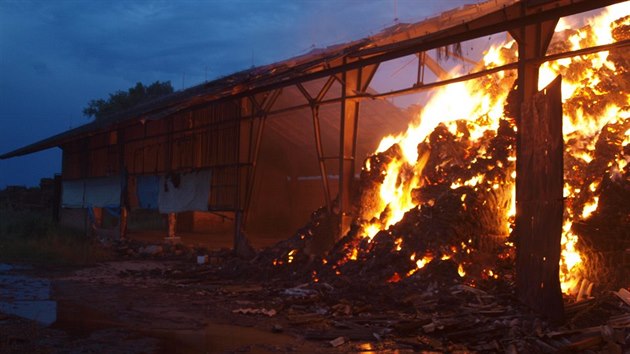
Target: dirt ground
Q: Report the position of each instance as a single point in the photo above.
(157, 298)
(142, 306)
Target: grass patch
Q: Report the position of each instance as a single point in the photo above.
(32, 237)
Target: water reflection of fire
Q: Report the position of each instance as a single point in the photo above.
(473, 138)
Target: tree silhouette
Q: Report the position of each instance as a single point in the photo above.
(122, 100)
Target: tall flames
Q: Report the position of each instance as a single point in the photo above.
(474, 109)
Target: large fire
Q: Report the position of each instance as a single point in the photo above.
(473, 111)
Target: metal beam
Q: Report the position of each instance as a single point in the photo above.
(325, 88)
(506, 19)
(255, 150)
(433, 65)
(305, 93)
(353, 82)
(240, 247)
(314, 104)
(320, 157)
(474, 75)
(471, 76)
(347, 146)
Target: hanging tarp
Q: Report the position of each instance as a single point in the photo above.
(94, 192)
(72, 193)
(184, 192)
(147, 191)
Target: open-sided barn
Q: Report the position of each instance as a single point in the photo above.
(254, 146)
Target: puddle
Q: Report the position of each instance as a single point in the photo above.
(30, 298)
(84, 321)
(26, 297)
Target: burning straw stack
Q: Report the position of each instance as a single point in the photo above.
(463, 226)
(449, 220)
(604, 235)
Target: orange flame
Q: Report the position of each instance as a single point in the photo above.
(481, 104)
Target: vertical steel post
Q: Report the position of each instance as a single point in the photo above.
(238, 203)
(319, 147)
(420, 76)
(255, 149)
(351, 85)
(354, 82)
(320, 156)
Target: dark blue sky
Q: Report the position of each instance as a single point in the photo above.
(55, 56)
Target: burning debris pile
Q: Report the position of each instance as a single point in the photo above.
(429, 262)
(598, 183)
(452, 199)
(459, 208)
(440, 196)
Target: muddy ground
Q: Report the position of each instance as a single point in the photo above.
(153, 306)
(153, 298)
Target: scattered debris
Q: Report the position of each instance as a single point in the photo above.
(151, 250)
(252, 311)
(337, 342)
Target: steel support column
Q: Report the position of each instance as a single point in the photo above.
(314, 102)
(263, 110)
(320, 157)
(247, 154)
(353, 82)
(241, 246)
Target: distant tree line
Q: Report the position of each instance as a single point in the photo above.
(120, 101)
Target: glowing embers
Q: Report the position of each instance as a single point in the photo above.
(288, 259)
(471, 182)
(460, 270)
(420, 263)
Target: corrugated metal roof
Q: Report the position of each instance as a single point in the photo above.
(467, 22)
